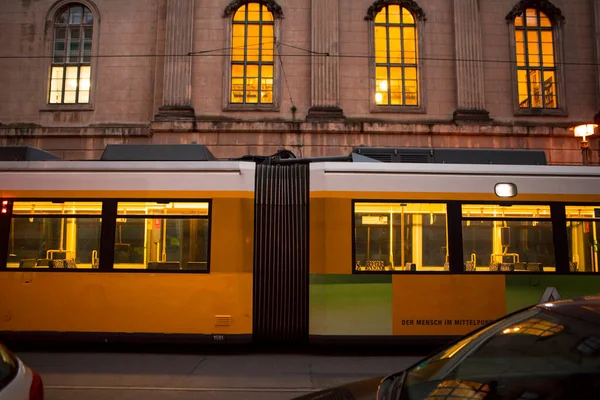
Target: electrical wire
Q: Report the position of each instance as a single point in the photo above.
(210, 52)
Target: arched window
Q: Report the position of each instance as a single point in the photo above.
(71, 71)
(252, 55)
(536, 63)
(396, 57)
(535, 28)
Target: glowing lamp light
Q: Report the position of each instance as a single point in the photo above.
(505, 190)
(584, 131)
(383, 86)
(4, 206)
(378, 97)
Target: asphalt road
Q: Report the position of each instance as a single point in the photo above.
(95, 376)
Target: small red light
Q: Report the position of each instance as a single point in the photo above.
(36, 391)
(5, 203)
(4, 211)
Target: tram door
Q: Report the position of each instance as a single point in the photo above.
(281, 267)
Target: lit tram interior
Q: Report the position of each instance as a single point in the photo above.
(395, 236)
(148, 235)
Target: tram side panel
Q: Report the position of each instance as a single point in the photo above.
(379, 259)
(214, 305)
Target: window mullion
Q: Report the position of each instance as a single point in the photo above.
(388, 66)
(541, 58)
(64, 82)
(402, 60)
(245, 55)
(260, 38)
(527, 65)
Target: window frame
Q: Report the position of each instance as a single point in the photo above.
(398, 201)
(419, 17)
(454, 221)
(228, 16)
(51, 17)
(108, 225)
(557, 20)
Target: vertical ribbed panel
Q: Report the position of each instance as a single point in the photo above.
(178, 42)
(281, 254)
(469, 53)
(325, 39)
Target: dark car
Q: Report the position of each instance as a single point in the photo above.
(545, 352)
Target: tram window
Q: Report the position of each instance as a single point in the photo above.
(174, 236)
(400, 237)
(583, 230)
(516, 238)
(54, 235)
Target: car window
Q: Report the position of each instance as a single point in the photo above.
(535, 354)
(8, 367)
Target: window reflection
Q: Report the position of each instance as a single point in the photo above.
(252, 55)
(55, 235)
(583, 235)
(459, 390)
(508, 238)
(162, 236)
(535, 327)
(400, 237)
(396, 81)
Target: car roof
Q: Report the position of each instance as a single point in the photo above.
(586, 308)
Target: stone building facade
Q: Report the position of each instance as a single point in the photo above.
(332, 74)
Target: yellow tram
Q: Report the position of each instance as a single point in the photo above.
(287, 250)
(107, 249)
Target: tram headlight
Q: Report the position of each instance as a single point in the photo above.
(505, 190)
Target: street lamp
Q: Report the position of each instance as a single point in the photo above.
(583, 131)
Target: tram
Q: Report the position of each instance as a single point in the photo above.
(366, 248)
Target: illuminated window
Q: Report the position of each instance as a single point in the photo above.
(400, 237)
(536, 28)
(535, 60)
(583, 231)
(507, 238)
(252, 55)
(396, 57)
(162, 236)
(56, 235)
(71, 70)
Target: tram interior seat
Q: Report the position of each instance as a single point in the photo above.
(520, 266)
(27, 263)
(122, 252)
(164, 265)
(535, 267)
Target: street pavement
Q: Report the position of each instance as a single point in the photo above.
(125, 376)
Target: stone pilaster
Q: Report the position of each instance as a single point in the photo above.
(597, 43)
(177, 87)
(325, 92)
(469, 68)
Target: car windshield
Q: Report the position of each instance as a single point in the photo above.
(8, 367)
(532, 355)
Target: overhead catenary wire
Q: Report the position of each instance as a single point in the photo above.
(226, 52)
